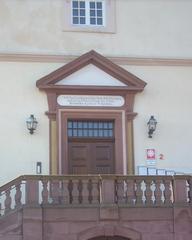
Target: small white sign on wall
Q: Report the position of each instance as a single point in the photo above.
(90, 101)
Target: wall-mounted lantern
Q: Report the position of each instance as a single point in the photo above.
(152, 123)
(31, 124)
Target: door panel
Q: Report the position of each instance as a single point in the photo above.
(103, 158)
(78, 158)
(91, 157)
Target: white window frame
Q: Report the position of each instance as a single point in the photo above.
(87, 13)
(109, 19)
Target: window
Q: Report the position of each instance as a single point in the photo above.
(89, 16)
(90, 128)
(88, 12)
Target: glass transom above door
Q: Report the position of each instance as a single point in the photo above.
(90, 128)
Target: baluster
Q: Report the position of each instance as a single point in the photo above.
(65, 192)
(1, 209)
(8, 200)
(120, 194)
(125, 189)
(45, 192)
(190, 190)
(99, 190)
(116, 190)
(148, 192)
(89, 187)
(85, 192)
(55, 191)
(167, 192)
(95, 191)
(32, 192)
(131, 192)
(139, 192)
(158, 192)
(187, 191)
(18, 195)
(80, 189)
(75, 191)
(70, 189)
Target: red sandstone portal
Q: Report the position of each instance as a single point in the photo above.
(120, 155)
(92, 155)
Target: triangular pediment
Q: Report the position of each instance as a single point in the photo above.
(91, 69)
(90, 75)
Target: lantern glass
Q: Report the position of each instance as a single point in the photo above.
(152, 123)
(31, 124)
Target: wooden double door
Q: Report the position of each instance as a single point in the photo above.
(91, 156)
(91, 145)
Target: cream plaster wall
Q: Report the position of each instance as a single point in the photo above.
(19, 97)
(167, 96)
(145, 28)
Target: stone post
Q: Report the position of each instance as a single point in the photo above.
(32, 192)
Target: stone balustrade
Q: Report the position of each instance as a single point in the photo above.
(96, 190)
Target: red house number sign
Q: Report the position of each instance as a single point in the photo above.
(151, 154)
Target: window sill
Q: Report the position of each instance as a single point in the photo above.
(89, 29)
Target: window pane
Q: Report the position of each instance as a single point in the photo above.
(99, 5)
(110, 133)
(92, 13)
(74, 124)
(105, 133)
(92, 4)
(85, 124)
(74, 132)
(95, 133)
(82, 12)
(85, 133)
(80, 124)
(99, 21)
(92, 21)
(75, 20)
(70, 133)
(80, 133)
(75, 12)
(82, 4)
(69, 124)
(82, 20)
(95, 125)
(75, 4)
(90, 133)
(100, 133)
(99, 13)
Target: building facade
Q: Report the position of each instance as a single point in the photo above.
(93, 72)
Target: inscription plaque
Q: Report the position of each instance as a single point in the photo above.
(90, 101)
